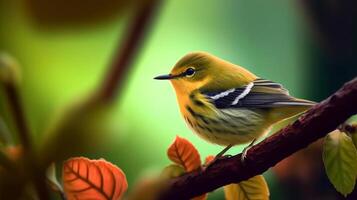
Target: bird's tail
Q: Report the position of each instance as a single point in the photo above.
(298, 102)
(292, 109)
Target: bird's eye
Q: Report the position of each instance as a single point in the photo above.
(190, 72)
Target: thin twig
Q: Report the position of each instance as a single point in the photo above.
(24, 137)
(19, 116)
(128, 48)
(314, 124)
(5, 135)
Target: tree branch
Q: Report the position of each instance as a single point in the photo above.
(128, 48)
(314, 124)
(16, 107)
(19, 116)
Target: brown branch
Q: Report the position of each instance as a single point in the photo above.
(19, 116)
(314, 124)
(129, 46)
(24, 133)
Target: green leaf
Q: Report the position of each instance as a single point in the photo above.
(354, 133)
(340, 160)
(9, 70)
(254, 188)
(354, 139)
(5, 136)
(172, 171)
(52, 178)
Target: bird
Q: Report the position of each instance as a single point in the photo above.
(227, 105)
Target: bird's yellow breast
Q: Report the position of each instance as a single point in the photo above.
(196, 102)
(221, 127)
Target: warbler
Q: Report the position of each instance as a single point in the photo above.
(226, 104)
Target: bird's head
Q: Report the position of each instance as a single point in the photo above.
(200, 70)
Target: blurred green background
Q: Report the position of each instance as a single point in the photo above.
(61, 62)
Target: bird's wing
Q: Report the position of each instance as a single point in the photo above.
(260, 93)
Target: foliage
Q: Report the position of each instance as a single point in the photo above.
(84, 178)
(9, 70)
(253, 188)
(24, 164)
(78, 128)
(354, 134)
(98, 179)
(340, 160)
(183, 153)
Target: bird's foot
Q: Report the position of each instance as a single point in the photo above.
(244, 154)
(216, 159)
(219, 156)
(245, 151)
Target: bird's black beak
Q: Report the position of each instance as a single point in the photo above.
(165, 77)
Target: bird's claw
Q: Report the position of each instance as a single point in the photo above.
(244, 155)
(245, 151)
(216, 159)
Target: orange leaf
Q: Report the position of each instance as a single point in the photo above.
(209, 159)
(183, 152)
(92, 179)
(14, 152)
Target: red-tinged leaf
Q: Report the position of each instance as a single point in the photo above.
(14, 152)
(93, 179)
(202, 197)
(183, 152)
(209, 159)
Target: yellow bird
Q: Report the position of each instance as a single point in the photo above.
(226, 104)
